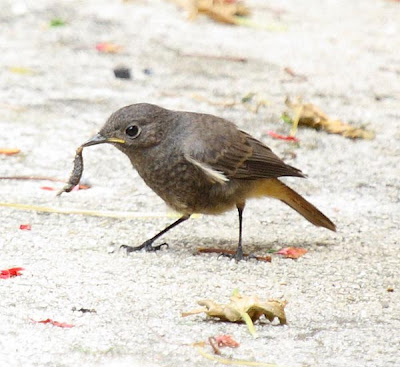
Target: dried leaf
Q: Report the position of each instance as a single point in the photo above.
(10, 273)
(214, 345)
(229, 12)
(243, 309)
(9, 151)
(25, 227)
(310, 115)
(226, 341)
(108, 48)
(54, 323)
(293, 74)
(282, 137)
(292, 252)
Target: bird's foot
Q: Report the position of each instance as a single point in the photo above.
(239, 255)
(147, 246)
(236, 255)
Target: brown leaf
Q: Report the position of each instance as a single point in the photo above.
(310, 115)
(243, 309)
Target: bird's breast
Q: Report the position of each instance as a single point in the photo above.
(186, 189)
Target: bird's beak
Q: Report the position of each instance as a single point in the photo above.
(100, 139)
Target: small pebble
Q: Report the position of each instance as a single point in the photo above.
(122, 73)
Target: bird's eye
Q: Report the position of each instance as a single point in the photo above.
(132, 131)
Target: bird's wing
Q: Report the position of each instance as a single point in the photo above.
(263, 163)
(224, 152)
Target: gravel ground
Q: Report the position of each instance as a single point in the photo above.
(340, 312)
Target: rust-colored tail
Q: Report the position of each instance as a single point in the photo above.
(278, 190)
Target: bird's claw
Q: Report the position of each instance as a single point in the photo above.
(239, 255)
(147, 246)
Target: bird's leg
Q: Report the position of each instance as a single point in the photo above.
(239, 251)
(148, 245)
(238, 255)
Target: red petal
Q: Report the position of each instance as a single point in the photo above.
(282, 137)
(25, 227)
(9, 273)
(54, 323)
(292, 252)
(62, 324)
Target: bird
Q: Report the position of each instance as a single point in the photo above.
(201, 163)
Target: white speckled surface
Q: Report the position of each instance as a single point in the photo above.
(339, 311)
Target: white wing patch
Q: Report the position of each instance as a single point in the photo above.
(214, 175)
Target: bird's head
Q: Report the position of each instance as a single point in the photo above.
(134, 127)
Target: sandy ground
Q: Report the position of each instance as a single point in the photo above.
(339, 310)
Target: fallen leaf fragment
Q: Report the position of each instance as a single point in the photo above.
(246, 309)
(228, 12)
(108, 48)
(293, 74)
(54, 323)
(83, 187)
(10, 273)
(9, 151)
(310, 115)
(214, 345)
(226, 341)
(25, 227)
(57, 22)
(47, 188)
(282, 137)
(292, 252)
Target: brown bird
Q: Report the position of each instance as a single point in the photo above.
(200, 163)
